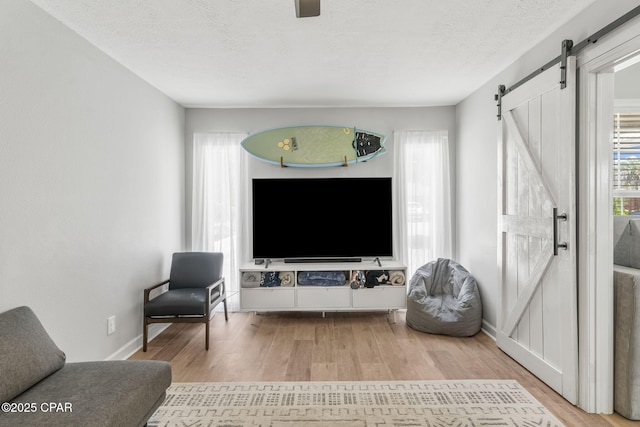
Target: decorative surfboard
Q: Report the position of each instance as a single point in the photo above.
(315, 146)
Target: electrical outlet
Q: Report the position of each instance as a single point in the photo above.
(111, 325)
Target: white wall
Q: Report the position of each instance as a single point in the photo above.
(627, 85)
(477, 131)
(91, 180)
(383, 120)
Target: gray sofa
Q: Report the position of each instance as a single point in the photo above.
(37, 387)
(626, 260)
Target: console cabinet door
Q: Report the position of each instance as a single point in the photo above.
(380, 297)
(324, 297)
(267, 298)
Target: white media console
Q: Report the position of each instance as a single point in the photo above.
(291, 295)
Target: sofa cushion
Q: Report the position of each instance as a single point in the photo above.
(195, 269)
(27, 353)
(99, 394)
(634, 253)
(626, 241)
(621, 240)
(179, 302)
(627, 342)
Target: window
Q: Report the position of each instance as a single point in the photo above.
(626, 163)
(422, 177)
(217, 186)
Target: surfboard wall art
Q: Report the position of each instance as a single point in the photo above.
(315, 146)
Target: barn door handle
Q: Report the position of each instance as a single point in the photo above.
(557, 245)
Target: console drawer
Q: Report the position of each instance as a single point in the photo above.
(267, 298)
(323, 297)
(380, 297)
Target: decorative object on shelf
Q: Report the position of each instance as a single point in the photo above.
(270, 279)
(287, 278)
(322, 278)
(375, 278)
(251, 279)
(357, 279)
(315, 146)
(397, 278)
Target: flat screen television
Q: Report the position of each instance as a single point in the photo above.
(320, 218)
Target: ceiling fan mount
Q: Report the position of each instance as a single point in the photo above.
(307, 8)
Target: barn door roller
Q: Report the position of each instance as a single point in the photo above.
(566, 52)
(562, 59)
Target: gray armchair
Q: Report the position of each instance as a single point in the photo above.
(195, 288)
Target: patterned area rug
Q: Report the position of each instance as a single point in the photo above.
(358, 404)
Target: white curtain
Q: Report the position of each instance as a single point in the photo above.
(422, 176)
(218, 185)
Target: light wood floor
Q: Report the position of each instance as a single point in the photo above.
(344, 347)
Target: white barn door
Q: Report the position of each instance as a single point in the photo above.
(537, 322)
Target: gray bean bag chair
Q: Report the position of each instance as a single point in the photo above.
(444, 299)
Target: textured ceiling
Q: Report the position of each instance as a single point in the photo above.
(256, 53)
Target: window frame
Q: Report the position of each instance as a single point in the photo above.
(622, 106)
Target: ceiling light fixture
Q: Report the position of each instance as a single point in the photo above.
(307, 8)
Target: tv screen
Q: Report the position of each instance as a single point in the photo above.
(322, 218)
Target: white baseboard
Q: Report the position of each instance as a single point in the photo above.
(488, 329)
(135, 344)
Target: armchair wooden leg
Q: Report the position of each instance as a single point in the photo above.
(206, 333)
(226, 315)
(144, 334)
